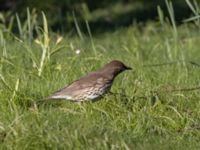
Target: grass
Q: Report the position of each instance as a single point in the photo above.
(147, 115)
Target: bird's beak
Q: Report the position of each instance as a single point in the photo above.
(128, 68)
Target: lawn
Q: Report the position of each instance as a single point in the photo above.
(154, 106)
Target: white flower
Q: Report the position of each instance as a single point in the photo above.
(78, 51)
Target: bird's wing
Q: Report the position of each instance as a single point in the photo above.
(78, 86)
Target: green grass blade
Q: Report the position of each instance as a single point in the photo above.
(19, 26)
(77, 27)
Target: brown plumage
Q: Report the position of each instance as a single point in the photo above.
(92, 86)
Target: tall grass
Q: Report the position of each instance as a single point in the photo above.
(196, 10)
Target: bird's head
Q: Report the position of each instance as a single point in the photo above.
(115, 67)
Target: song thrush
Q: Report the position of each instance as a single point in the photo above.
(92, 86)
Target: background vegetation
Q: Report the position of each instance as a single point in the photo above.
(156, 106)
(102, 15)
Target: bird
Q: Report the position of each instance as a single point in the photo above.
(93, 86)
